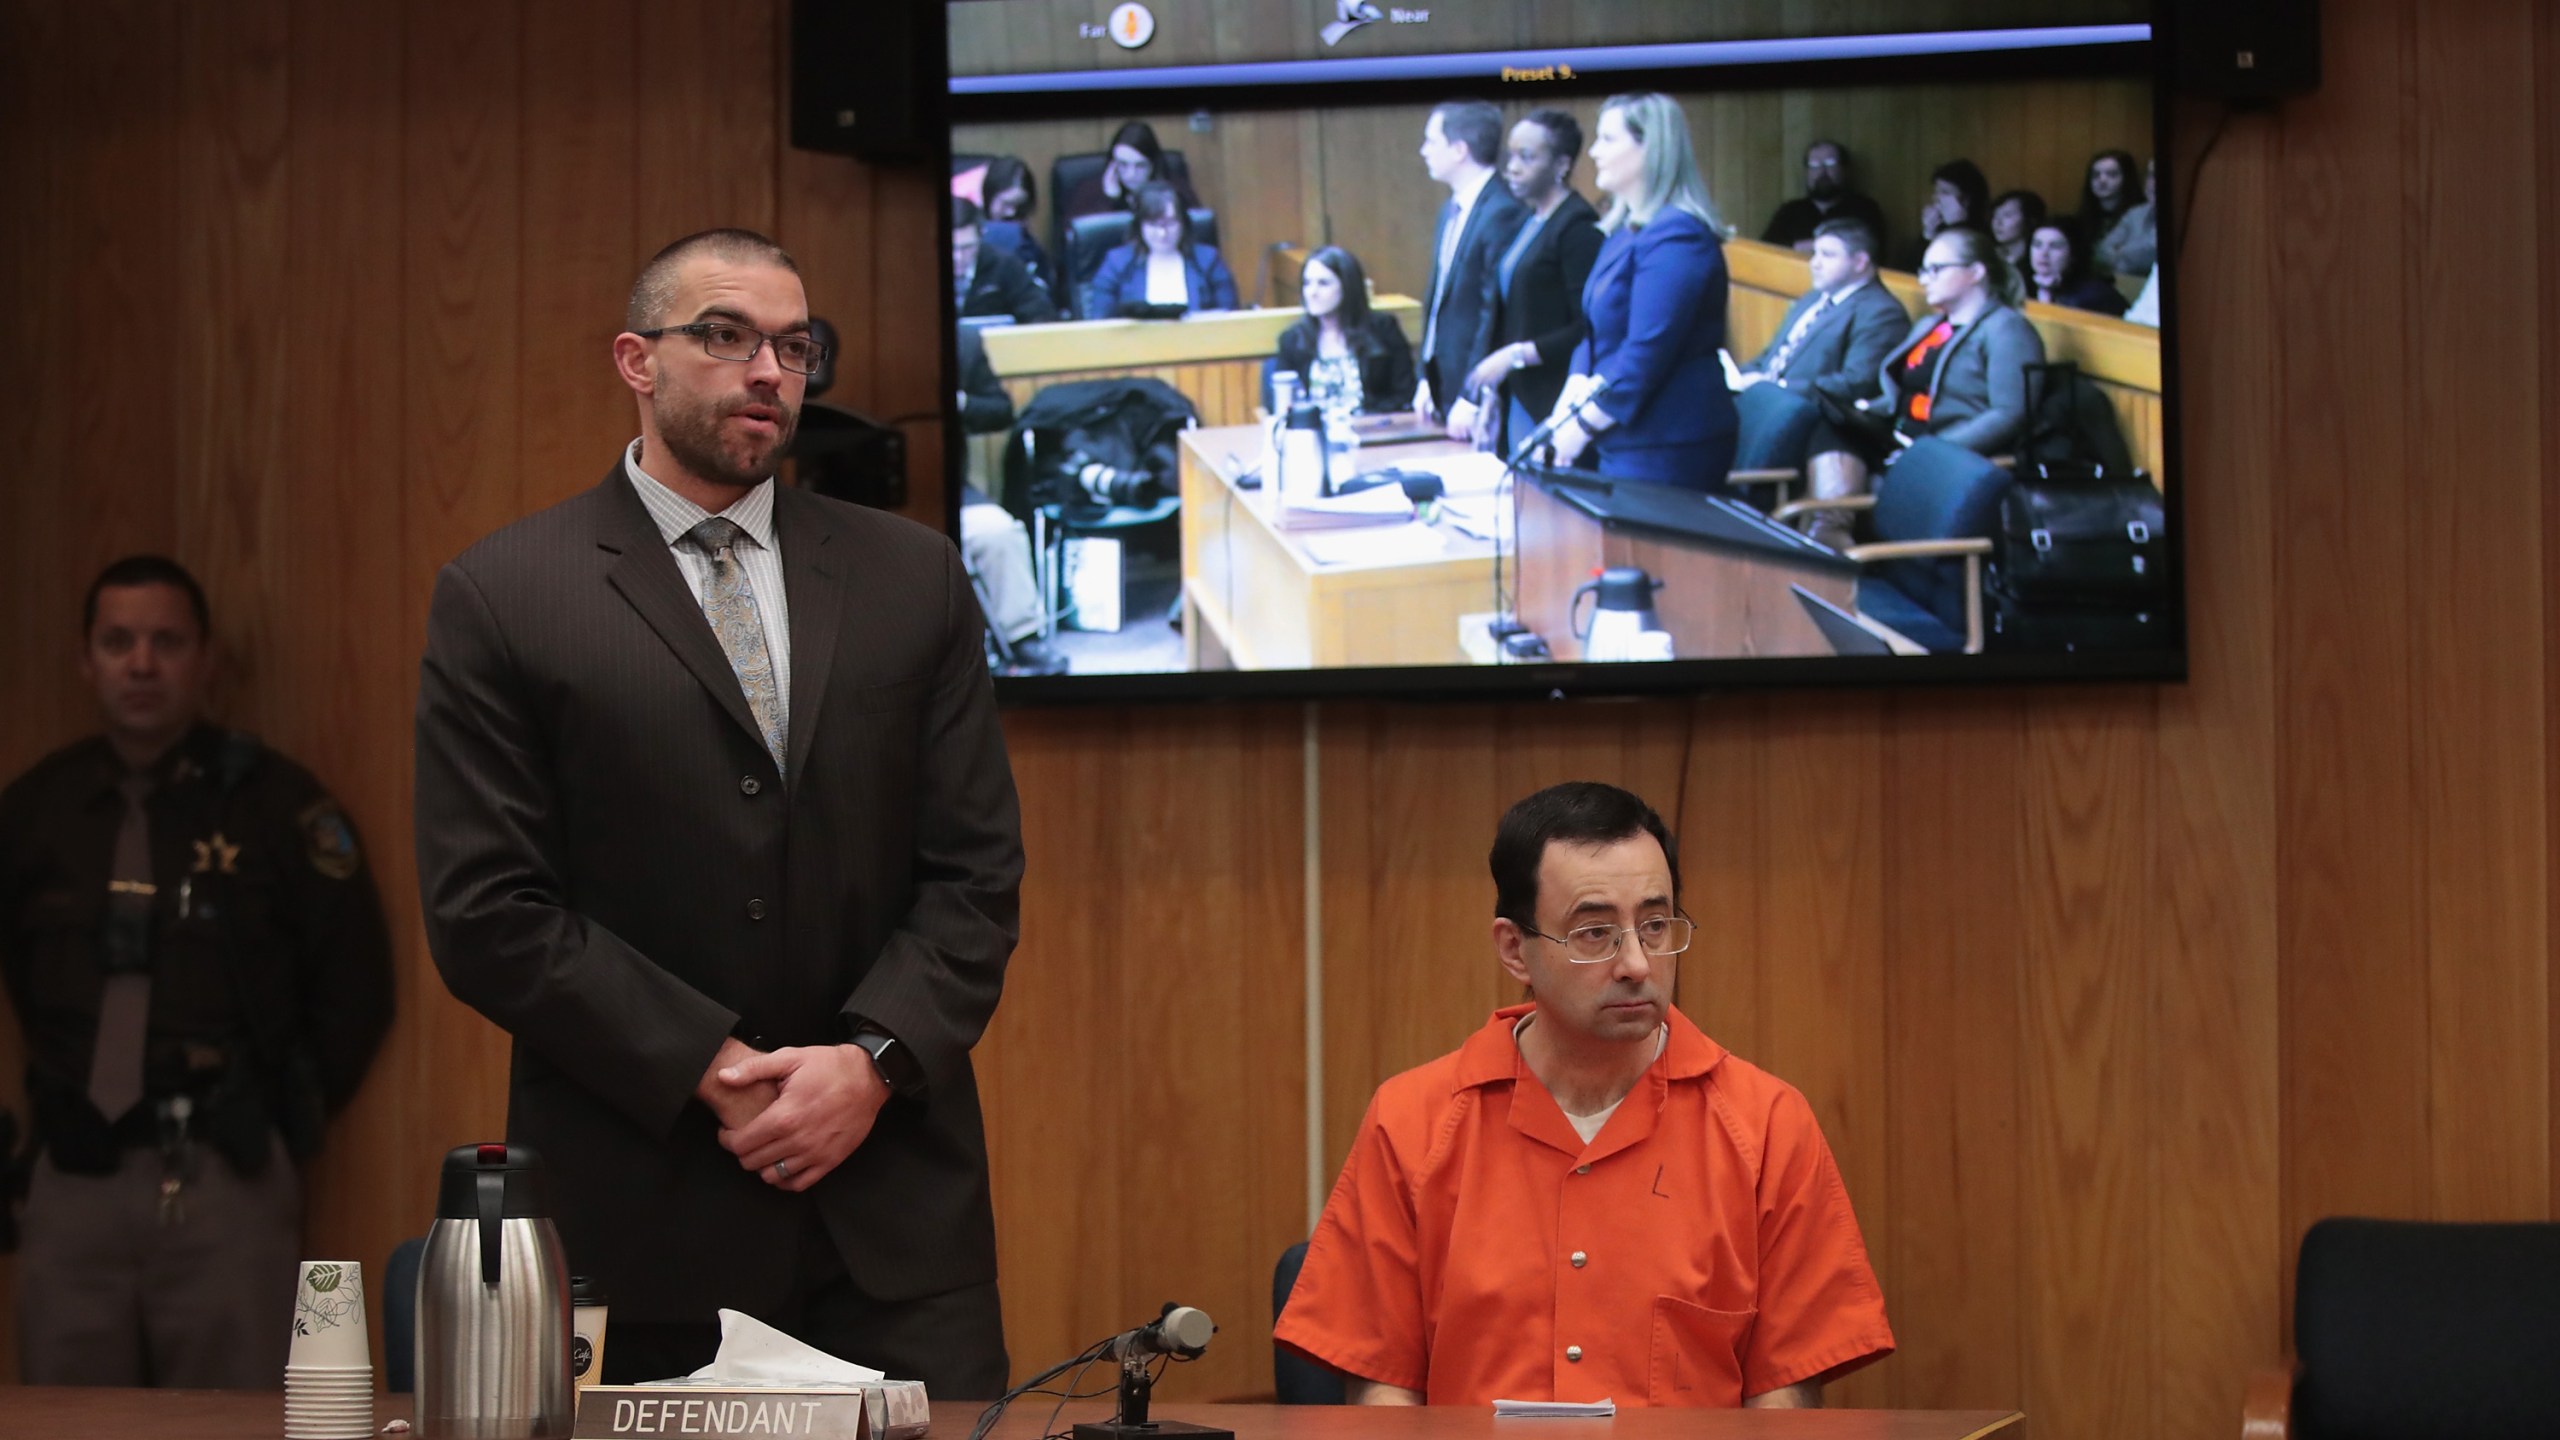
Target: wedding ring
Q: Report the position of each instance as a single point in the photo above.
(781, 1169)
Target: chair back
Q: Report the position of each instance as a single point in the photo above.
(1777, 428)
(1090, 237)
(400, 1316)
(1297, 1380)
(1936, 491)
(1069, 171)
(2426, 1331)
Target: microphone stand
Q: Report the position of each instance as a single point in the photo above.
(1506, 621)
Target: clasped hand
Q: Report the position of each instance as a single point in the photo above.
(806, 1107)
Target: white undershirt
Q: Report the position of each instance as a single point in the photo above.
(1589, 1126)
(1166, 284)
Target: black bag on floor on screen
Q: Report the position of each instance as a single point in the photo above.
(2009, 624)
(2070, 535)
(2070, 420)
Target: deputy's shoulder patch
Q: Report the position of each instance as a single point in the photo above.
(330, 840)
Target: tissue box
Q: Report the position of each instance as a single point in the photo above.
(877, 1410)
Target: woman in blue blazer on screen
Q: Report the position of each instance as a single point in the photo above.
(1655, 303)
(1160, 265)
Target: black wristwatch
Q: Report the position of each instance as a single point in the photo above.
(897, 1064)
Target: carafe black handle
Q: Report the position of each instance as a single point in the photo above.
(1582, 628)
(491, 1191)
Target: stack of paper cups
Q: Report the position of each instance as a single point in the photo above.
(328, 1377)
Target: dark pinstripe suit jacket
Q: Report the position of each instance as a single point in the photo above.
(613, 872)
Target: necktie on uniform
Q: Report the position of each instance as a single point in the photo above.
(124, 1009)
(730, 606)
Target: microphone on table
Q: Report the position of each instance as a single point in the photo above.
(1181, 1332)
(1547, 431)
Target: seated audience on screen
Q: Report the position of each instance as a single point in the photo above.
(1461, 143)
(1350, 358)
(1828, 195)
(2134, 242)
(1532, 304)
(990, 281)
(1959, 374)
(1010, 197)
(2058, 271)
(1160, 265)
(995, 548)
(1655, 305)
(2014, 217)
(2107, 193)
(1501, 1227)
(1137, 159)
(1958, 195)
(1834, 338)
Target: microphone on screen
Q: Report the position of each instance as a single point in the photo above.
(1573, 412)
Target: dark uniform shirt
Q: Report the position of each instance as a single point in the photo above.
(270, 965)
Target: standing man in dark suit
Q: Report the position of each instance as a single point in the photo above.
(1835, 337)
(714, 817)
(1461, 141)
(1533, 294)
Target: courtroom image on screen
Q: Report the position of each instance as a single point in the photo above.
(1505, 371)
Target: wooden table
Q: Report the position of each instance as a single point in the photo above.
(1253, 599)
(40, 1413)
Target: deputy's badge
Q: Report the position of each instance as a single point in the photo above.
(215, 855)
(330, 840)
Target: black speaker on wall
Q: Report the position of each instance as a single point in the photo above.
(2248, 49)
(868, 77)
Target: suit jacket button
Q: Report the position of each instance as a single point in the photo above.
(755, 909)
(749, 785)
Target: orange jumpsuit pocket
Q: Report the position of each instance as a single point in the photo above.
(1697, 1354)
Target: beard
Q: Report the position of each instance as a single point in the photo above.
(695, 431)
(1823, 187)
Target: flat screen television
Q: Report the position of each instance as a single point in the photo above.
(1518, 347)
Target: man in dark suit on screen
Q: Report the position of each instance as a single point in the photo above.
(714, 817)
(1835, 337)
(1461, 143)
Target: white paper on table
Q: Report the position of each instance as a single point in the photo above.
(754, 1353)
(1472, 472)
(1553, 1409)
(1378, 546)
(1377, 505)
(1482, 516)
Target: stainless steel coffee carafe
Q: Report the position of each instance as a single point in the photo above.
(493, 1304)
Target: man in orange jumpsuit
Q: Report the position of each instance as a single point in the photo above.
(1590, 1199)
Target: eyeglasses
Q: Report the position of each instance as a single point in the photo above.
(723, 340)
(1927, 271)
(1591, 944)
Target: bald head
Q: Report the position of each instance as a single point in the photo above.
(655, 291)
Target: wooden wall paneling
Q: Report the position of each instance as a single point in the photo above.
(2216, 987)
(336, 579)
(1822, 994)
(231, 483)
(2546, 43)
(1186, 1005)
(583, 244)
(910, 271)
(1952, 811)
(2350, 903)
(1408, 799)
(1049, 1064)
(2478, 652)
(460, 83)
(1214, 927)
(2088, 1184)
(1722, 819)
(707, 95)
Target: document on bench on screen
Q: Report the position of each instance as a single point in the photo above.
(1401, 545)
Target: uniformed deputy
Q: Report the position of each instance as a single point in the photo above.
(197, 959)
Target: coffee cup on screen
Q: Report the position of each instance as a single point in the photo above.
(586, 1331)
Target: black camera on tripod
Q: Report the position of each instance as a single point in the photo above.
(1106, 484)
